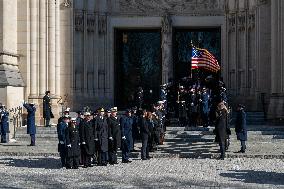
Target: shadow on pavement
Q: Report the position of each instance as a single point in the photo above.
(258, 177)
(46, 163)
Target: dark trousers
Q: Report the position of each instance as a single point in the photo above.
(32, 139)
(126, 145)
(62, 153)
(47, 120)
(112, 154)
(86, 159)
(145, 147)
(3, 138)
(243, 145)
(104, 157)
(205, 118)
(222, 149)
(72, 162)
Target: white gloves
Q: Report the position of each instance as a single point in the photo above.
(61, 142)
(69, 145)
(83, 142)
(110, 138)
(123, 138)
(96, 139)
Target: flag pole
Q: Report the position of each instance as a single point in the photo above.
(191, 46)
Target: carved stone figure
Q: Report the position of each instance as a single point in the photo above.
(79, 21)
(102, 25)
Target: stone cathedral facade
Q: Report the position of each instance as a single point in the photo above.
(69, 47)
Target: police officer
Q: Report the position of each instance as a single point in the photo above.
(61, 133)
(73, 145)
(241, 128)
(31, 127)
(114, 136)
(126, 132)
(47, 113)
(102, 136)
(4, 123)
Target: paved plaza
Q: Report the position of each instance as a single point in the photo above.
(45, 172)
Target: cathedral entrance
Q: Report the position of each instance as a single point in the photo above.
(207, 38)
(137, 64)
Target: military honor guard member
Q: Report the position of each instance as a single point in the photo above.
(126, 132)
(73, 145)
(31, 127)
(61, 133)
(87, 137)
(101, 126)
(47, 113)
(114, 136)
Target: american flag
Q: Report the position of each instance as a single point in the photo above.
(202, 58)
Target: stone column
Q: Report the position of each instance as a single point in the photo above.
(57, 50)
(33, 38)
(51, 46)
(167, 62)
(42, 47)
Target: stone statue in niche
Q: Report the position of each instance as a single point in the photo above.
(232, 23)
(241, 21)
(251, 21)
(79, 21)
(102, 25)
(91, 23)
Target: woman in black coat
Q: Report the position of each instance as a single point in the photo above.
(221, 127)
(73, 145)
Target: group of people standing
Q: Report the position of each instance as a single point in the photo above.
(95, 138)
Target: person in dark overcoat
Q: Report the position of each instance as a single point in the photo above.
(192, 110)
(87, 137)
(61, 134)
(4, 123)
(205, 107)
(135, 128)
(221, 127)
(114, 136)
(126, 132)
(145, 133)
(73, 145)
(182, 109)
(102, 136)
(47, 113)
(31, 127)
(241, 127)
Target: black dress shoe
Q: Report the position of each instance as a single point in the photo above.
(144, 159)
(85, 166)
(149, 157)
(90, 166)
(126, 161)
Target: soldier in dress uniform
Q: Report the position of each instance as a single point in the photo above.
(87, 137)
(31, 127)
(79, 119)
(114, 136)
(139, 97)
(47, 113)
(126, 132)
(61, 133)
(4, 123)
(101, 126)
(192, 110)
(73, 145)
(135, 127)
(65, 113)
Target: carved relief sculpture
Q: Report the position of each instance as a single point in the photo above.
(176, 6)
(251, 21)
(102, 25)
(232, 22)
(79, 21)
(91, 23)
(242, 21)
